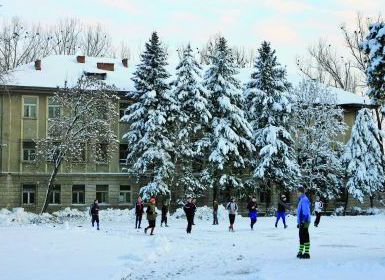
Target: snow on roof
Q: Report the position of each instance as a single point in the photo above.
(56, 70)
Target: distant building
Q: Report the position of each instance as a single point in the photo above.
(25, 109)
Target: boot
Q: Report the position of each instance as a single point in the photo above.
(305, 256)
(152, 231)
(299, 255)
(145, 230)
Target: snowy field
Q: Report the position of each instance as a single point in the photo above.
(341, 248)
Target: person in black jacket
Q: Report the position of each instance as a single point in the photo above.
(215, 212)
(253, 208)
(164, 214)
(281, 211)
(139, 210)
(94, 211)
(189, 209)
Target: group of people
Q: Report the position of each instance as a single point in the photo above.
(303, 215)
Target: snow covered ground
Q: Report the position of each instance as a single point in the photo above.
(341, 248)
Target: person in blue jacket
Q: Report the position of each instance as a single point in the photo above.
(253, 212)
(303, 222)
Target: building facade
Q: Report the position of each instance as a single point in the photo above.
(25, 109)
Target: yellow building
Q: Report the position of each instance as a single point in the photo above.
(24, 112)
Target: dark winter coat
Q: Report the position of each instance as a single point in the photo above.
(139, 208)
(151, 212)
(164, 210)
(189, 208)
(95, 209)
(282, 206)
(252, 206)
(215, 206)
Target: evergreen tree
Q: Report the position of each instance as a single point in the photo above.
(150, 120)
(270, 114)
(229, 134)
(363, 158)
(374, 47)
(192, 121)
(319, 124)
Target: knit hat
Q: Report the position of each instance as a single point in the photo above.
(301, 189)
(152, 200)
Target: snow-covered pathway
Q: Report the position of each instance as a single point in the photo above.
(341, 248)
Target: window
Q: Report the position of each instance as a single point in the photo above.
(29, 194)
(102, 193)
(54, 196)
(102, 153)
(125, 194)
(29, 151)
(123, 153)
(123, 109)
(30, 107)
(78, 194)
(54, 109)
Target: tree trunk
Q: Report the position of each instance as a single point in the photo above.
(346, 201)
(371, 201)
(51, 182)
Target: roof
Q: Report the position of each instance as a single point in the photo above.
(58, 70)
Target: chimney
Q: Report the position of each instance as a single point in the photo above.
(125, 62)
(81, 59)
(38, 64)
(105, 66)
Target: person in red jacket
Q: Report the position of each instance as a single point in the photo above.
(139, 210)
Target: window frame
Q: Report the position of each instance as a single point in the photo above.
(31, 151)
(104, 194)
(125, 193)
(56, 189)
(29, 106)
(55, 107)
(29, 189)
(80, 186)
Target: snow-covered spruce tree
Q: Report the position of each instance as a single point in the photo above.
(270, 113)
(150, 122)
(364, 159)
(319, 125)
(192, 121)
(85, 122)
(229, 136)
(374, 47)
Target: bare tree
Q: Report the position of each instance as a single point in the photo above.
(20, 44)
(85, 122)
(324, 64)
(95, 41)
(66, 36)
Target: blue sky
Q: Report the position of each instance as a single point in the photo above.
(291, 25)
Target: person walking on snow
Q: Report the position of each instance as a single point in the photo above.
(151, 216)
(139, 210)
(318, 207)
(303, 222)
(94, 211)
(215, 212)
(281, 211)
(164, 214)
(189, 209)
(253, 208)
(232, 207)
